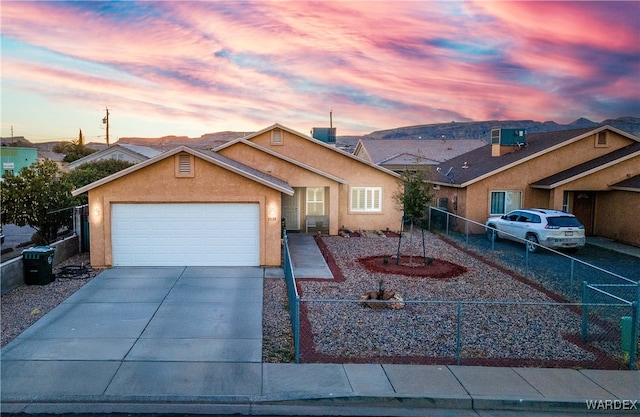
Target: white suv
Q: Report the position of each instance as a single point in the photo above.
(550, 228)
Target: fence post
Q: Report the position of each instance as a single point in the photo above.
(635, 321)
(447, 224)
(585, 313)
(466, 230)
(296, 331)
(429, 218)
(458, 341)
(571, 277)
(526, 260)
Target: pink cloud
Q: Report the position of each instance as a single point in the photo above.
(378, 64)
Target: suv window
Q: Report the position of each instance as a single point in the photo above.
(513, 216)
(529, 218)
(563, 221)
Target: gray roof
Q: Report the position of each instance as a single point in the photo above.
(480, 163)
(209, 156)
(585, 167)
(245, 168)
(417, 151)
(630, 184)
(142, 150)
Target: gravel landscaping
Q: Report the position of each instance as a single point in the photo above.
(494, 328)
(337, 328)
(26, 304)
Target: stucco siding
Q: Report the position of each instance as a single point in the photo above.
(617, 216)
(518, 177)
(157, 183)
(354, 171)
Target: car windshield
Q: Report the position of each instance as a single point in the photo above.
(563, 221)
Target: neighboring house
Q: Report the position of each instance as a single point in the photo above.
(420, 154)
(592, 173)
(225, 207)
(15, 158)
(130, 153)
(56, 157)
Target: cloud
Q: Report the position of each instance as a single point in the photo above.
(235, 65)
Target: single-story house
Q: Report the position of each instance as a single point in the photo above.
(228, 206)
(121, 152)
(418, 154)
(592, 173)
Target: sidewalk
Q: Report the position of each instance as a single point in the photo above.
(320, 389)
(146, 340)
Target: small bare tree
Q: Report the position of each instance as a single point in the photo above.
(413, 198)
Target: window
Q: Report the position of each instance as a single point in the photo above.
(529, 218)
(504, 201)
(315, 201)
(366, 199)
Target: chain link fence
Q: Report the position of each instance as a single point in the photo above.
(593, 324)
(462, 333)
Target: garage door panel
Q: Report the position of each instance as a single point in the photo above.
(185, 234)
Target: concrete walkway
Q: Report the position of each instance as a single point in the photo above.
(306, 257)
(189, 341)
(610, 244)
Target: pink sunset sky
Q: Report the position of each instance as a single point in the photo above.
(194, 67)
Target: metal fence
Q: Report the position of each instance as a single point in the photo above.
(463, 333)
(594, 330)
(554, 270)
(292, 295)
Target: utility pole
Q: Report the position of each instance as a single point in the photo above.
(105, 121)
(11, 130)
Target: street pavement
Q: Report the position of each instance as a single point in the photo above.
(188, 340)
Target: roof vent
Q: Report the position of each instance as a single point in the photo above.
(184, 165)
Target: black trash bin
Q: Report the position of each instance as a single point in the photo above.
(38, 265)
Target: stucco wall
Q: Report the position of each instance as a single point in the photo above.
(353, 170)
(157, 183)
(520, 176)
(617, 215)
(295, 175)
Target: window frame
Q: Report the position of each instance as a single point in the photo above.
(315, 192)
(368, 197)
(506, 207)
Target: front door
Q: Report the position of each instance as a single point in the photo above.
(291, 210)
(583, 206)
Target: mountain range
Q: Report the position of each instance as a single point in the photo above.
(446, 131)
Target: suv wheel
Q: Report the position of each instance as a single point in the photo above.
(492, 233)
(532, 243)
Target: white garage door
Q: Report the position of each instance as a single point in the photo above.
(185, 234)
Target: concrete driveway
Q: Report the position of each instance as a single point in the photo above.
(145, 331)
